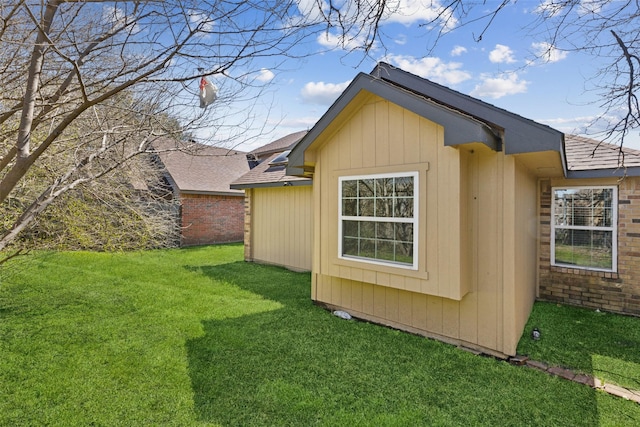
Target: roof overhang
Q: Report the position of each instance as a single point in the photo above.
(212, 193)
(458, 127)
(620, 172)
(464, 119)
(520, 135)
(277, 184)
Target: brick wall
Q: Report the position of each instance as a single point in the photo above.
(616, 292)
(210, 219)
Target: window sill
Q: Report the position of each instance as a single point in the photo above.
(584, 272)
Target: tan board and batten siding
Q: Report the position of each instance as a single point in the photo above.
(283, 236)
(475, 282)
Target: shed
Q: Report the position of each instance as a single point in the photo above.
(430, 208)
(278, 208)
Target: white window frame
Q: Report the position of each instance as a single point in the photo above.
(613, 228)
(414, 221)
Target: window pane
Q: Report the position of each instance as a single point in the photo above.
(368, 230)
(367, 248)
(404, 252)
(583, 207)
(379, 203)
(384, 207)
(404, 186)
(385, 230)
(350, 207)
(365, 207)
(350, 228)
(384, 187)
(366, 188)
(404, 232)
(349, 246)
(404, 208)
(584, 248)
(349, 188)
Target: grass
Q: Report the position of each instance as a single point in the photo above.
(584, 256)
(597, 343)
(197, 337)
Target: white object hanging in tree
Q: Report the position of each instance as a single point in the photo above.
(208, 92)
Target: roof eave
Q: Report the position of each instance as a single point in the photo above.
(620, 172)
(467, 128)
(521, 134)
(283, 183)
(212, 193)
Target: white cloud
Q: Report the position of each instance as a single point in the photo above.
(265, 75)
(298, 123)
(435, 69)
(118, 18)
(497, 87)
(311, 10)
(322, 93)
(201, 20)
(554, 8)
(339, 41)
(550, 8)
(590, 7)
(408, 12)
(501, 55)
(574, 125)
(458, 50)
(400, 39)
(548, 52)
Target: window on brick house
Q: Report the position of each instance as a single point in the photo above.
(378, 219)
(584, 227)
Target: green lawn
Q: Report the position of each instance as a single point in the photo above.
(197, 337)
(601, 344)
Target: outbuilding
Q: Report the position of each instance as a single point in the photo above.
(440, 214)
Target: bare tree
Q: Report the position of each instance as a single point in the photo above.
(606, 30)
(71, 70)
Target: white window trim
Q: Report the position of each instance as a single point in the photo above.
(415, 175)
(613, 228)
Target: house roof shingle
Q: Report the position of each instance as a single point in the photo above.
(203, 169)
(589, 158)
(279, 145)
(266, 175)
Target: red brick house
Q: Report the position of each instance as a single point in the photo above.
(210, 211)
(610, 282)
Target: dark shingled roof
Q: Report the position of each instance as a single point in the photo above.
(464, 119)
(279, 145)
(265, 175)
(589, 158)
(202, 169)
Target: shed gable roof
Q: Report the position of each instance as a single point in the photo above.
(465, 119)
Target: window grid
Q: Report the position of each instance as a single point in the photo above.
(378, 219)
(584, 227)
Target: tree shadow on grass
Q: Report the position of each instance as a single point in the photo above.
(299, 365)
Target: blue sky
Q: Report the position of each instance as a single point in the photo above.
(503, 69)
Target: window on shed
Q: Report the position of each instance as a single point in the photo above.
(378, 219)
(584, 227)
